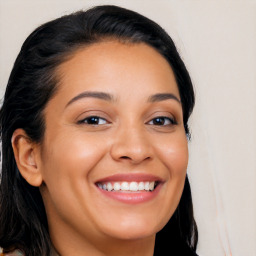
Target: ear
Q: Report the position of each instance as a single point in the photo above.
(26, 155)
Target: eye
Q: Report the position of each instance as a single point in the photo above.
(94, 120)
(162, 121)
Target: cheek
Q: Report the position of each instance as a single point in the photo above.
(174, 154)
(67, 164)
(69, 158)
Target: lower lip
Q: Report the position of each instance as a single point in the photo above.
(131, 197)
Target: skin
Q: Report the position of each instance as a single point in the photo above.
(75, 154)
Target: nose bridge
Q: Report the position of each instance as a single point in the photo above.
(131, 143)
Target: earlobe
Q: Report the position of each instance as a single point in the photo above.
(26, 156)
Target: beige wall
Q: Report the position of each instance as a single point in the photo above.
(217, 40)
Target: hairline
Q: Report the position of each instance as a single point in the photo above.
(69, 54)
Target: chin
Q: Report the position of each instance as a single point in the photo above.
(133, 230)
(132, 234)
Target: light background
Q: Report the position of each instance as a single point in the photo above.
(217, 40)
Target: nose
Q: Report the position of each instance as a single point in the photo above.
(131, 145)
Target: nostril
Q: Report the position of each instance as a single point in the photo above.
(133, 159)
(125, 157)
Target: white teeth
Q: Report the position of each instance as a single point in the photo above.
(147, 186)
(151, 185)
(141, 185)
(128, 186)
(117, 186)
(125, 186)
(134, 186)
(109, 186)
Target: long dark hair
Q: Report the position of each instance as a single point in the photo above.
(32, 83)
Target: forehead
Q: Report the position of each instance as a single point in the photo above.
(111, 66)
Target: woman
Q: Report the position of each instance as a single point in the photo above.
(94, 136)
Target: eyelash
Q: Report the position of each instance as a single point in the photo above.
(158, 121)
(93, 119)
(162, 119)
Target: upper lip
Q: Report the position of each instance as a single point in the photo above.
(130, 177)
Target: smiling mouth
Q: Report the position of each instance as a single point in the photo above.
(129, 188)
(125, 186)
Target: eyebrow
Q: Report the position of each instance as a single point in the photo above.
(108, 97)
(91, 94)
(162, 96)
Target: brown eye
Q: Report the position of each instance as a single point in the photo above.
(162, 121)
(93, 120)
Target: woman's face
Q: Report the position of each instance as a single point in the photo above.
(114, 154)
